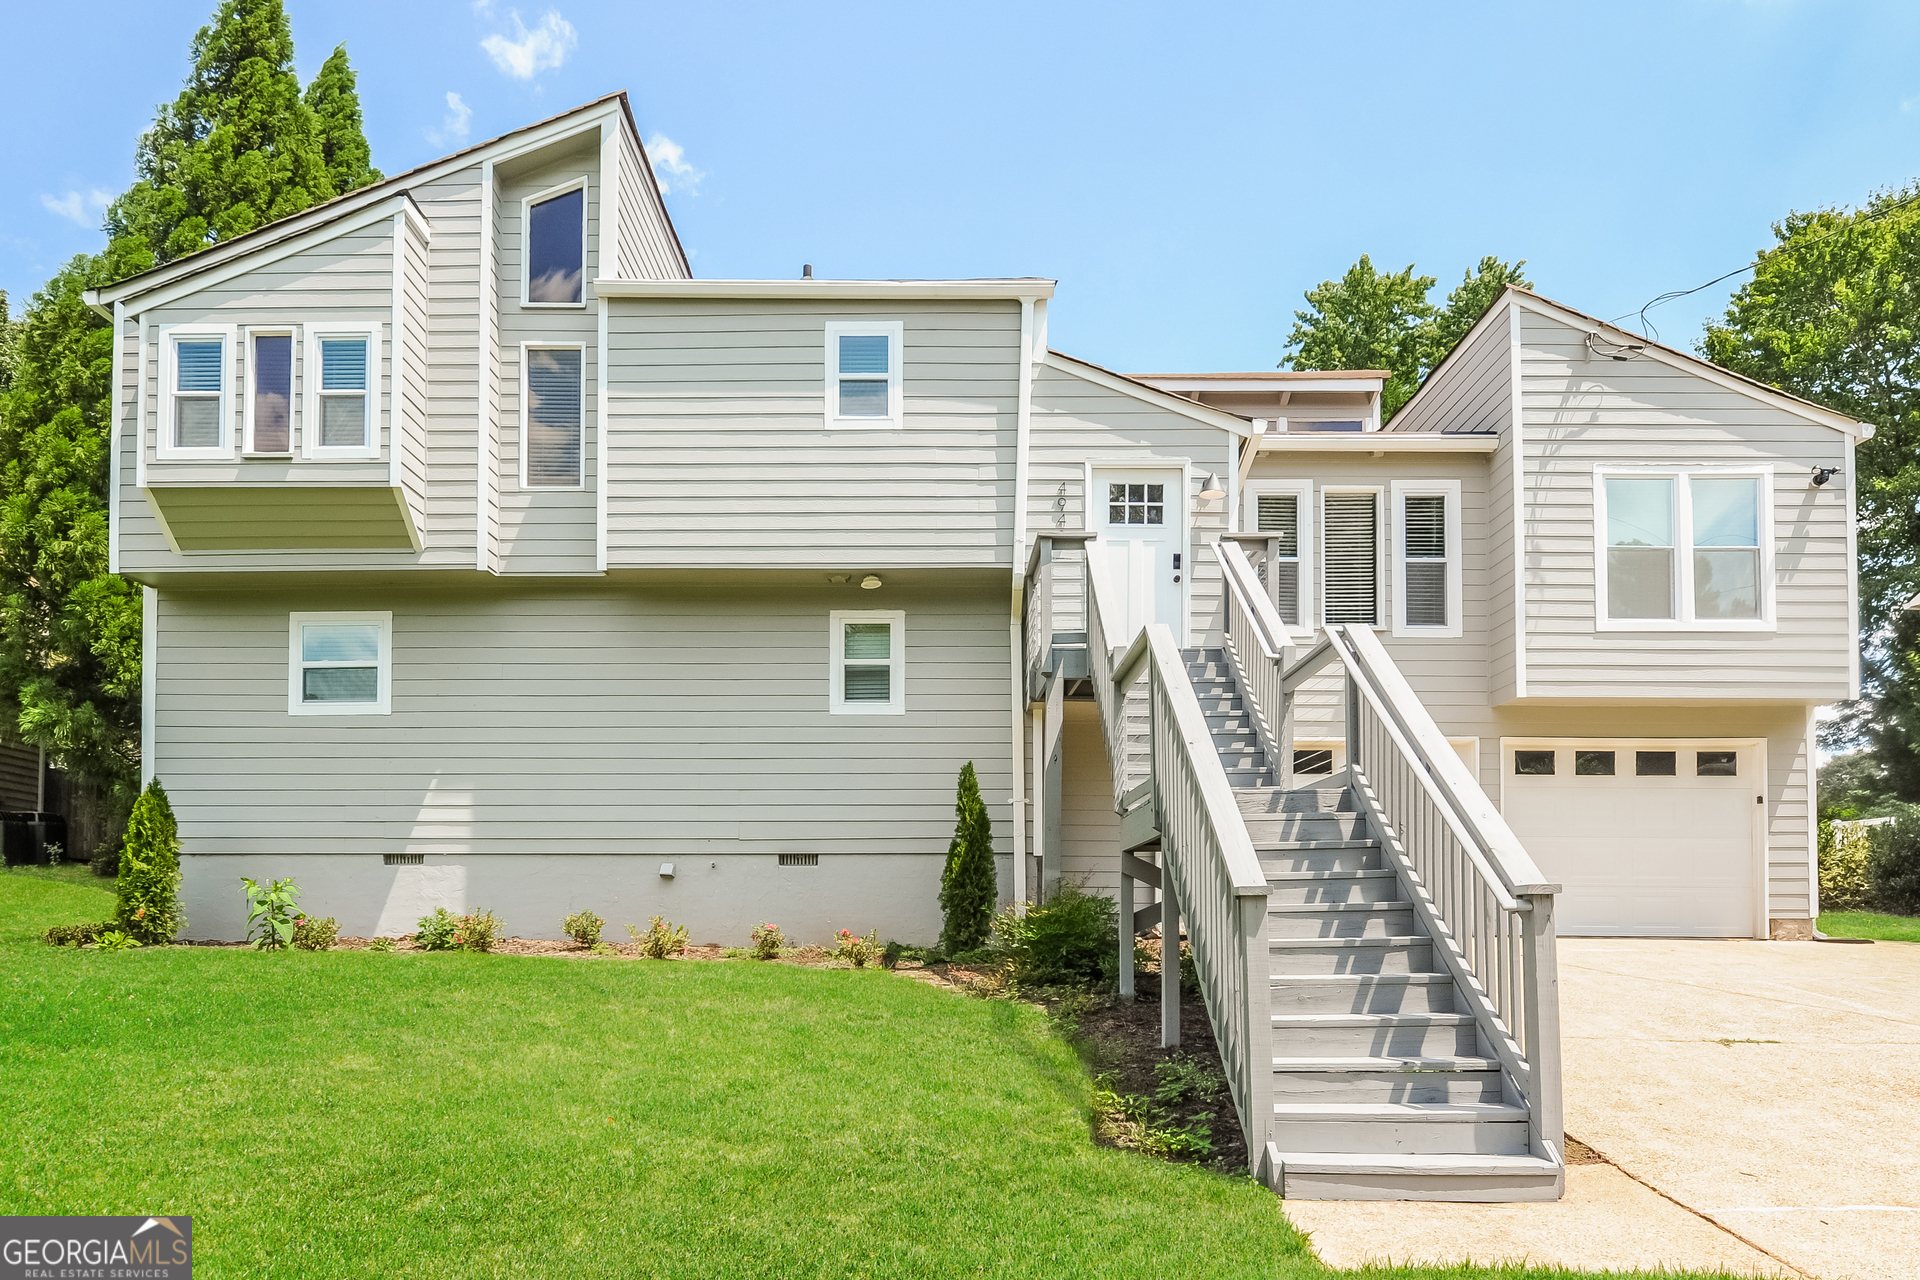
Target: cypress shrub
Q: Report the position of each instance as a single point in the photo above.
(149, 884)
(970, 882)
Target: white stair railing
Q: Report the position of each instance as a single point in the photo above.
(1259, 648)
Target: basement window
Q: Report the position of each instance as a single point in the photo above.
(867, 663)
(556, 257)
(339, 664)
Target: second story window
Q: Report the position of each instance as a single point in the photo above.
(556, 247)
(270, 399)
(553, 393)
(1351, 589)
(1427, 577)
(863, 374)
(1683, 549)
(340, 397)
(1279, 510)
(194, 409)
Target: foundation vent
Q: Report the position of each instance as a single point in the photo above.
(403, 859)
(799, 859)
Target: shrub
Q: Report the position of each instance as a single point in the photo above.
(477, 931)
(584, 928)
(1149, 1125)
(1071, 939)
(270, 913)
(106, 866)
(115, 940)
(970, 881)
(55, 854)
(435, 931)
(312, 934)
(1845, 850)
(767, 941)
(379, 944)
(149, 888)
(662, 938)
(859, 951)
(1893, 865)
(75, 935)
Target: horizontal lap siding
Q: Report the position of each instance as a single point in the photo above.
(648, 249)
(719, 454)
(412, 397)
(630, 721)
(453, 335)
(1582, 412)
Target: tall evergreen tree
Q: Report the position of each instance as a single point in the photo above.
(968, 884)
(333, 97)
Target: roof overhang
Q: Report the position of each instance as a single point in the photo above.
(1368, 380)
(1379, 442)
(863, 289)
(1166, 400)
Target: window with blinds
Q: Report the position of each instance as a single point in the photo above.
(1350, 579)
(199, 366)
(1423, 534)
(868, 663)
(864, 384)
(1278, 515)
(340, 663)
(343, 393)
(554, 418)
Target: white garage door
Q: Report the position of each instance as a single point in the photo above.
(1650, 839)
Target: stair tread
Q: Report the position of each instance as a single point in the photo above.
(1372, 873)
(1310, 846)
(1352, 1066)
(1353, 1162)
(1373, 1019)
(1327, 908)
(1395, 940)
(1445, 1112)
(1333, 979)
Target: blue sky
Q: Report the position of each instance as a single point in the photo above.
(1185, 172)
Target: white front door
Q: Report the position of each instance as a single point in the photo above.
(1143, 527)
(1647, 839)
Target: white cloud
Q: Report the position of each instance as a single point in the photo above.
(76, 207)
(544, 47)
(453, 129)
(670, 167)
(1910, 104)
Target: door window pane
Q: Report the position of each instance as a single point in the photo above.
(272, 393)
(556, 248)
(1136, 504)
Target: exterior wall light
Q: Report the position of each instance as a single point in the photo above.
(1823, 474)
(871, 583)
(1213, 488)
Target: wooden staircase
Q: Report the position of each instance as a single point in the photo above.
(1382, 1088)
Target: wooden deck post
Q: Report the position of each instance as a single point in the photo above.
(1052, 748)
(1125, 915)
(1542, 1011)
(1169, 955)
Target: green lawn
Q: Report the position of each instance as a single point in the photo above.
(366, 1114)
(1870, 924)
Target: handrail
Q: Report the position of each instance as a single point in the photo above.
(1259, 647)
(1108, 695)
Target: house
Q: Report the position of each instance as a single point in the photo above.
(491, 560)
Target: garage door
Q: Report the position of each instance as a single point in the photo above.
(1650, 839)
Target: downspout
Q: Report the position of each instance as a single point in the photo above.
(1017, 710)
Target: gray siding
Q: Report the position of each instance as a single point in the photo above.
(1471, 391)
(453, 334)
(648, 249)
(719, 452)
(565, 718)
(411, 390)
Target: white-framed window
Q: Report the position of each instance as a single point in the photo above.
(552, 415)
(867, 662)
(1351, 540)
(341, 414)
(196, 413)
(553, 271)
(269, 409)
(339, 664)
(1283, 510)
(1683, 548)
(863, 373)
(1426, 560)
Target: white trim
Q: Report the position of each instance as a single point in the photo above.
(1305, 539)
(249, 391)
(171, 334)
(1016, 646)
(1090, 507)
(896, 703)
(526, 406)
(486, 482)
(607, 251)
(1382, 548)
(1379, 443)
(1849, 492)
(600, 444)
(310, 446)
(1683, 547)
(839, 290)
(396, 383)
(1089, 372)
(1516, 407)
(160, 518)
(140, 403)
(894, 331)
(1022, 463)
(1288, 380)
(296, 665)
(149, 680)
(1811, 806)
(1401, 491)
(115, 430)
(582, 183)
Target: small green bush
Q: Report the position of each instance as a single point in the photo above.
(970, 881)
(312, 934)
(270, 913)
(478, 931)
(149, 884)
(856, 950)
(660, 939)
(1893, 865)
(1071, 939)
(1846, 849)
(379, 944)
(584, 928)
(75, 935)
(435, 931)
(1149, 1125)
(767, 941)
(115, 940)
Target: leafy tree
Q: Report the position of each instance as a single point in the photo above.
(1370, 319)
(1832, 314)
(334, 99)
(6, 343)
(969, 885)
(1853, 786)
(149, 881)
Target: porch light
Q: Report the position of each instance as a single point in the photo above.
(1213, 488)
(871, 583)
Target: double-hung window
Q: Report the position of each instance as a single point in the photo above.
(194, 408)
(1350, 576)
(1683, 549)
(863, 384)
(556, 247)
(339, 663)
(1426, 564)
(868, 662)
(553, 391)
(1282, 510)
(269, 392)
(342, 376)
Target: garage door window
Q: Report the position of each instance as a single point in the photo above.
(1538, 763)
(1682, 550)
(1655, 764)
(1593, 764)
(1716, 764)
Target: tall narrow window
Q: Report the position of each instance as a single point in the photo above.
(1424, 542)
(343, 393)
(557, 248)
(863, 374)
(1351, 587)
(271, 423)
(1640, 547)
(339, 663)
(1726, 546)
(198, 370)
(1278, 516)
(554, 417)
(868, 663)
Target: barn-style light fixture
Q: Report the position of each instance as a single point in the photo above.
(1213, 488)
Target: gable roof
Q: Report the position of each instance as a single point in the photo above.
(329, 211)
(1159, 399)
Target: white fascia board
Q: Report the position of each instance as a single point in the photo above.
(1011, 290)
(1295, 385)
(1380, 442)
(1126, 386)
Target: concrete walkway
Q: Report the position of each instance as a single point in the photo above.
(1757, 1103)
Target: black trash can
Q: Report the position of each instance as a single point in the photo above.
(25, 835)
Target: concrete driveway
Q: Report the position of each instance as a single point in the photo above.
(1756, 1105)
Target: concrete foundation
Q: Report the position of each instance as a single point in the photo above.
(1800, 930)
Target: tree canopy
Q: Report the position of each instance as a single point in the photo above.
(1372, 319)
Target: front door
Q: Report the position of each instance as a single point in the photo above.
(1143, 530)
